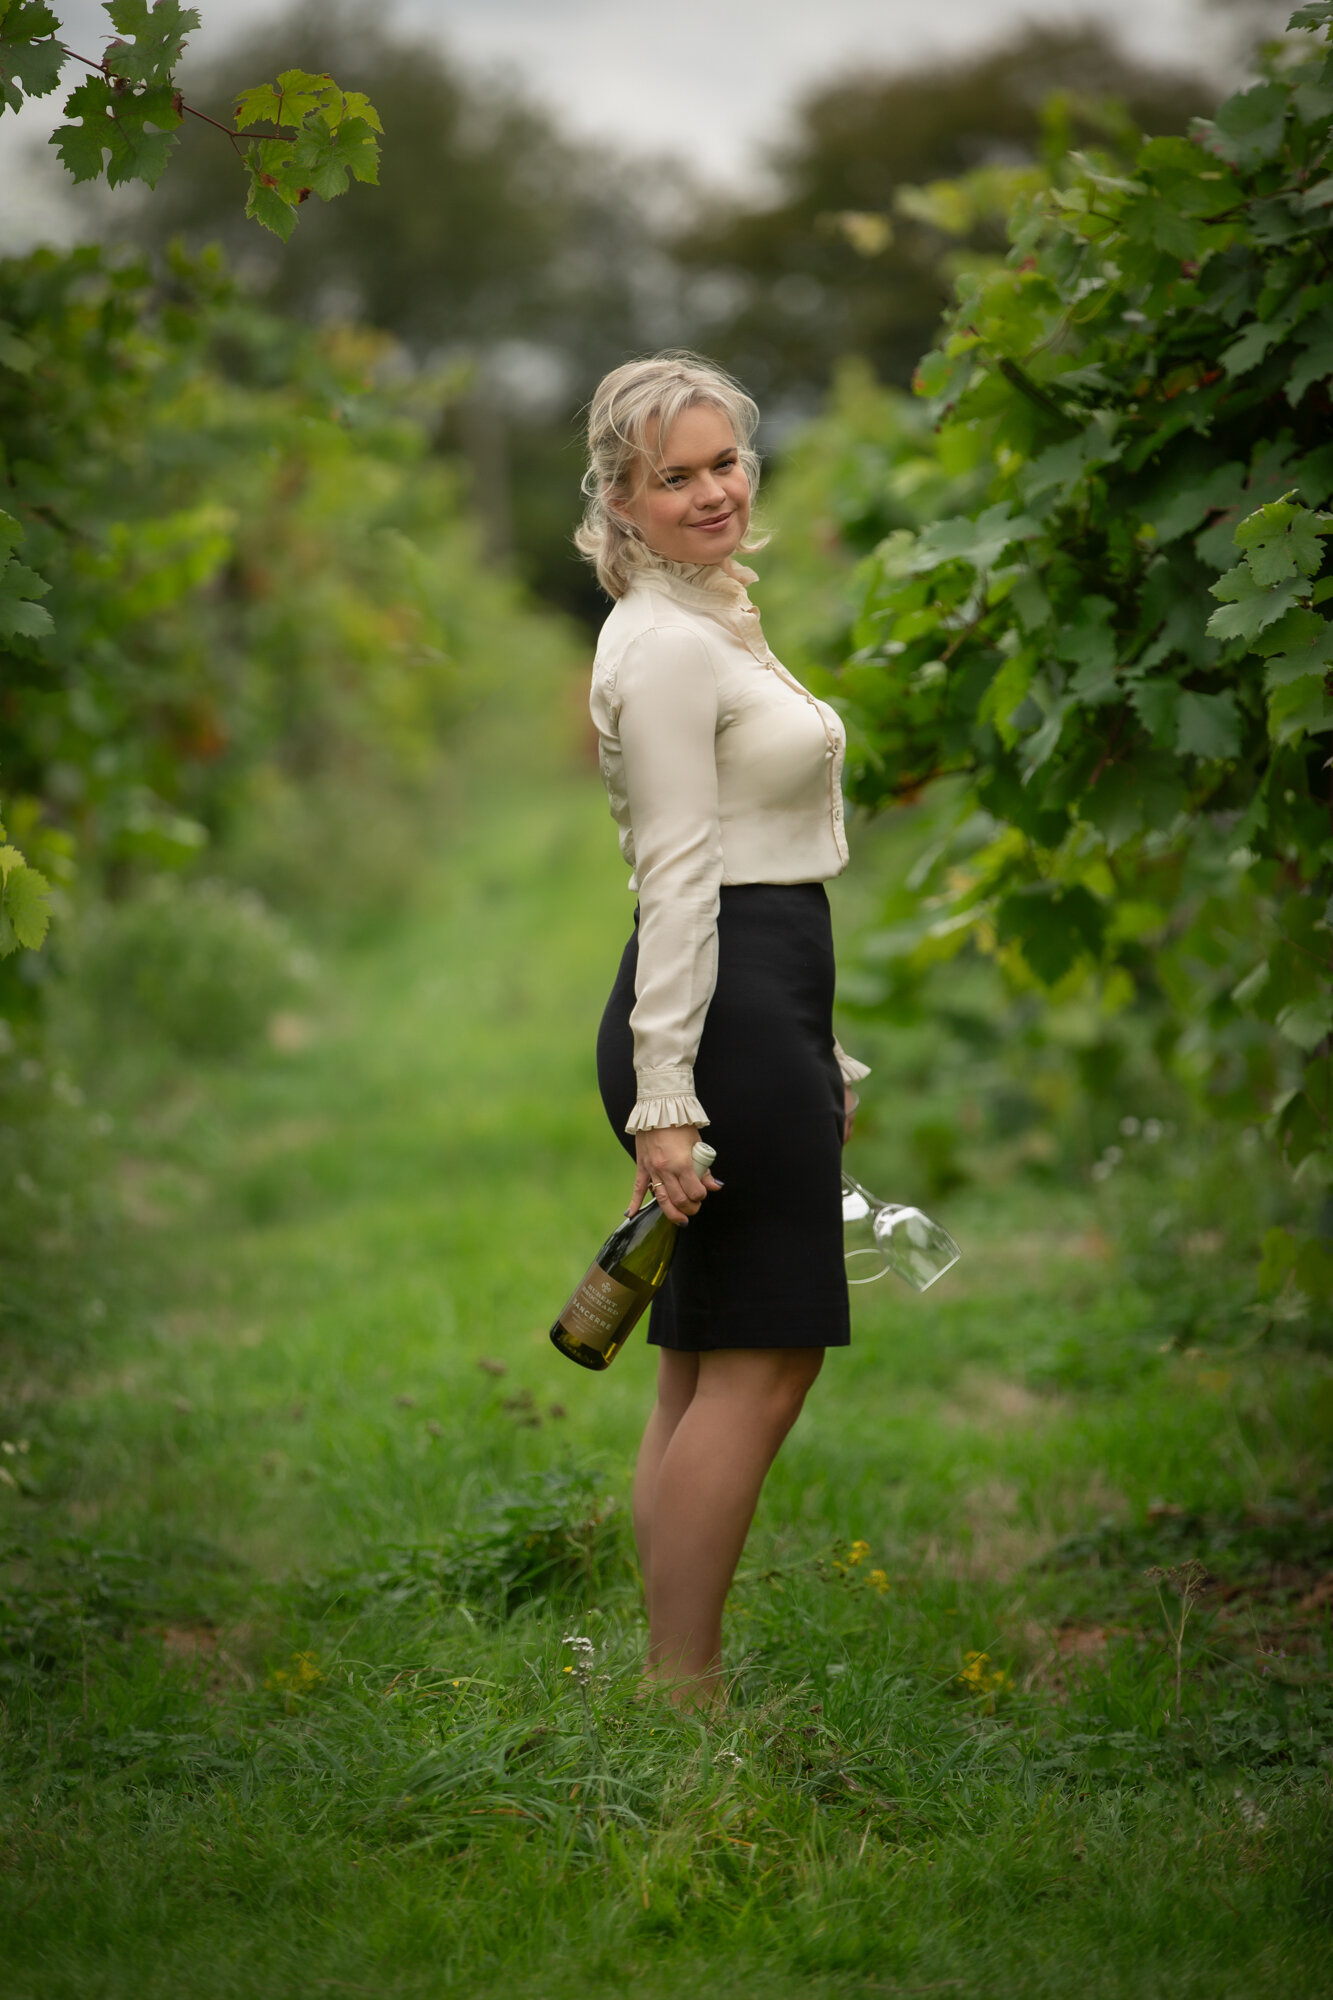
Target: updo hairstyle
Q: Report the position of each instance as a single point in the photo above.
(628, 402)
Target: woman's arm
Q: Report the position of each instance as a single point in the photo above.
(666, 696)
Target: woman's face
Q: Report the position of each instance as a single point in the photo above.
(691, 498)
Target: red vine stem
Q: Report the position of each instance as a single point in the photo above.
(238, 139)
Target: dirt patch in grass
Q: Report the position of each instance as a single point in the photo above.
(983, 1400)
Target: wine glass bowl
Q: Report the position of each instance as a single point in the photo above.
(880, 1236)
(917, 1249)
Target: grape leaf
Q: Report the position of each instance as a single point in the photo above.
(1281, 539)
(265, 205)
(24, 909)
(296, 95)
(1248, 127)
(326, 158)
(1181, 504)
(1115, 805)
(116, 123)
(30, 58)
(1249, 350)
(980, 542)
(1156, 702)
(1314, 657)
(1299, 626)
(1299, 708)
(1053, 925)
(357, 105)
(82, 146)
(159, 35)
(19, 585)
(1208, 725)
(1316, 361)
(1249, 606)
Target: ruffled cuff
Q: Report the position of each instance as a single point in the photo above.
(666, 1097)
(852, 1070)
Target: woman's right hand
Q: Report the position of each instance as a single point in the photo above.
(665, 1166)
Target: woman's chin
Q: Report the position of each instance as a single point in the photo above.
(706, 547)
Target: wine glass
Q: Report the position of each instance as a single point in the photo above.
(880, 1236)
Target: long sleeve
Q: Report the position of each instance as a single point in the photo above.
(666, 694)
(852, 1070)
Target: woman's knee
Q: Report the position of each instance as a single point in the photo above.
(774, 1380)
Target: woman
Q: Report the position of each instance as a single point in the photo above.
(724, 777)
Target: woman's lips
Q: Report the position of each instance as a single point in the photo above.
(714, 521)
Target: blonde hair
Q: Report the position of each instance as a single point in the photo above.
(628, 402)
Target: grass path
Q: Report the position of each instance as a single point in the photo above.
(288, 1707)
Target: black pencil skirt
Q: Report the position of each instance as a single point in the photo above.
(761, 1264)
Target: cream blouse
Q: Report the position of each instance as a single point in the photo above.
(720, 768)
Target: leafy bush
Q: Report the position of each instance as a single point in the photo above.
(1119, 653)
(260, 580)
(200, 966)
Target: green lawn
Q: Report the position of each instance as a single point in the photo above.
(309, 1506)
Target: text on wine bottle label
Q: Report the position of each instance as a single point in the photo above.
(597, 1312)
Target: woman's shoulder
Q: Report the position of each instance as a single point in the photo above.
(644, 622)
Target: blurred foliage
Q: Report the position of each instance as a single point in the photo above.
(126, 115)
(542, 262)
(200, 968)
(266, 608)
(871, 463)
(1106, 676)
(496, 241)
(835, 265)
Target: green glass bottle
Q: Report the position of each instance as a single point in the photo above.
(621, 1282)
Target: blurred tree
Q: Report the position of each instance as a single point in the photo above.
(781, 292)
(496, 242)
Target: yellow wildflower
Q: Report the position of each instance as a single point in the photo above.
(878, 1580)
(979, 1677)
(858, 1552)
(303, 1674)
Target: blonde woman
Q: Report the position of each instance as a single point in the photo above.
(724, 778)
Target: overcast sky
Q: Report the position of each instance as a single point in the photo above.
(710, 80)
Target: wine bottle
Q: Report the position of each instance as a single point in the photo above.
(621, 1282)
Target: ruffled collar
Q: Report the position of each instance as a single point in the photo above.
(717, 587)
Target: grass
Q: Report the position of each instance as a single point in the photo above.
(303, 1511)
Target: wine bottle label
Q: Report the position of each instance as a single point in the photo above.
(596, 1313)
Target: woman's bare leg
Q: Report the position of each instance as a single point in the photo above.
(677, 1377)
(711, 1456)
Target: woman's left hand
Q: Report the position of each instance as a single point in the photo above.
(850, 1100)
